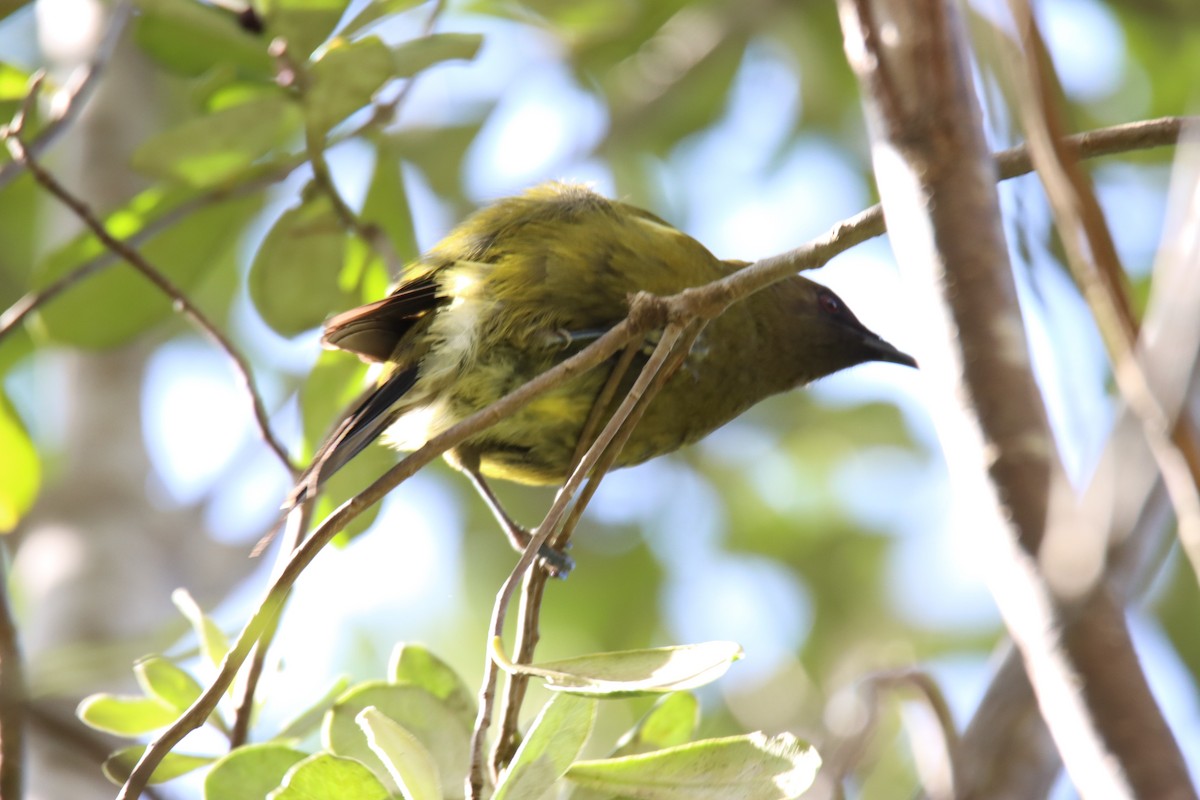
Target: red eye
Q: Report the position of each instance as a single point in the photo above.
(829, 304)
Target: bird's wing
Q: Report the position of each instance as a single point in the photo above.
(374, 331)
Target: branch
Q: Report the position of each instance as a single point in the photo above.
(16, 147)
(74, 95)
(937, 183)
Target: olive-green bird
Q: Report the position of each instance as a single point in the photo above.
(528, 281)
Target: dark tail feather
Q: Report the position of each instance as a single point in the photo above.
(359, 428)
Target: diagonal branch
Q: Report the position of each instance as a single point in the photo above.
(12, 137)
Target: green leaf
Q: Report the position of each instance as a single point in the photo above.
(671, 722)
(375, 11)
(125, 715)
(113, 306)
(415, 664)
(250, 772)
(20, 468)
(310, 718)
(304, 24)
(167, 683)
(387, 206)
(120, 764)
(438, 728)
(218, 147)
(327, 777)
(213, 642)
(417, 55)
(660, 669)
(554, 741)
(345, 80)
(753, 767)
(407, 761)
(294, 277)
(190, 38)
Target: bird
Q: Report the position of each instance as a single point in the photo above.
(529, 280)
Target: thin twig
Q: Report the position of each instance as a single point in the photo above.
(180, 301)
(542, 534)
(294, 74)
(533, 588)
(73, 97)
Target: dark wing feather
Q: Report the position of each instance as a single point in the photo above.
(374, 331)
(359, 428)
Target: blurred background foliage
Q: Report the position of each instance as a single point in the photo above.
(815, 530)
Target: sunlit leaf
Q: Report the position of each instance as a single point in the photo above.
(250, 771)
(406, 760)
(167, 683)
(439, 729)
(671, 722)
(324, 777)
(118, 766)
(212, 149)
(660, 669)
(554, 741)
(213, 642)
(20, 469)
(752, 767)
(415, 664)
(110, 307)
(125, 715)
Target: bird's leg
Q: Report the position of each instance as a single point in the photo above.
(557, 563)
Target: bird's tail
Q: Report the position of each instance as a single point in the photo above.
(361, 426)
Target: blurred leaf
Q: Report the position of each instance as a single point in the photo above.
(435, 725)
(213, 642)
(326, 777)
(18, 230)
(20, 468)
(310, 718)
(250, 772)
(167, 683)
(1176, 610)
(7, 7)
(345, 80)
(113, 306)
(125, 715)
(294, 277)
(554, 741)
(373, 12)
(387, 206)
(671, 722)
(191, 38)
(439, 154)
(750, 767)
(304, 24)
(14, 85)
(118, 766)
(408, 763)
(417, 55)
(412, 663)
(213, 149)
(655, 670)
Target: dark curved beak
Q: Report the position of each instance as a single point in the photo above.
(880, 350)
